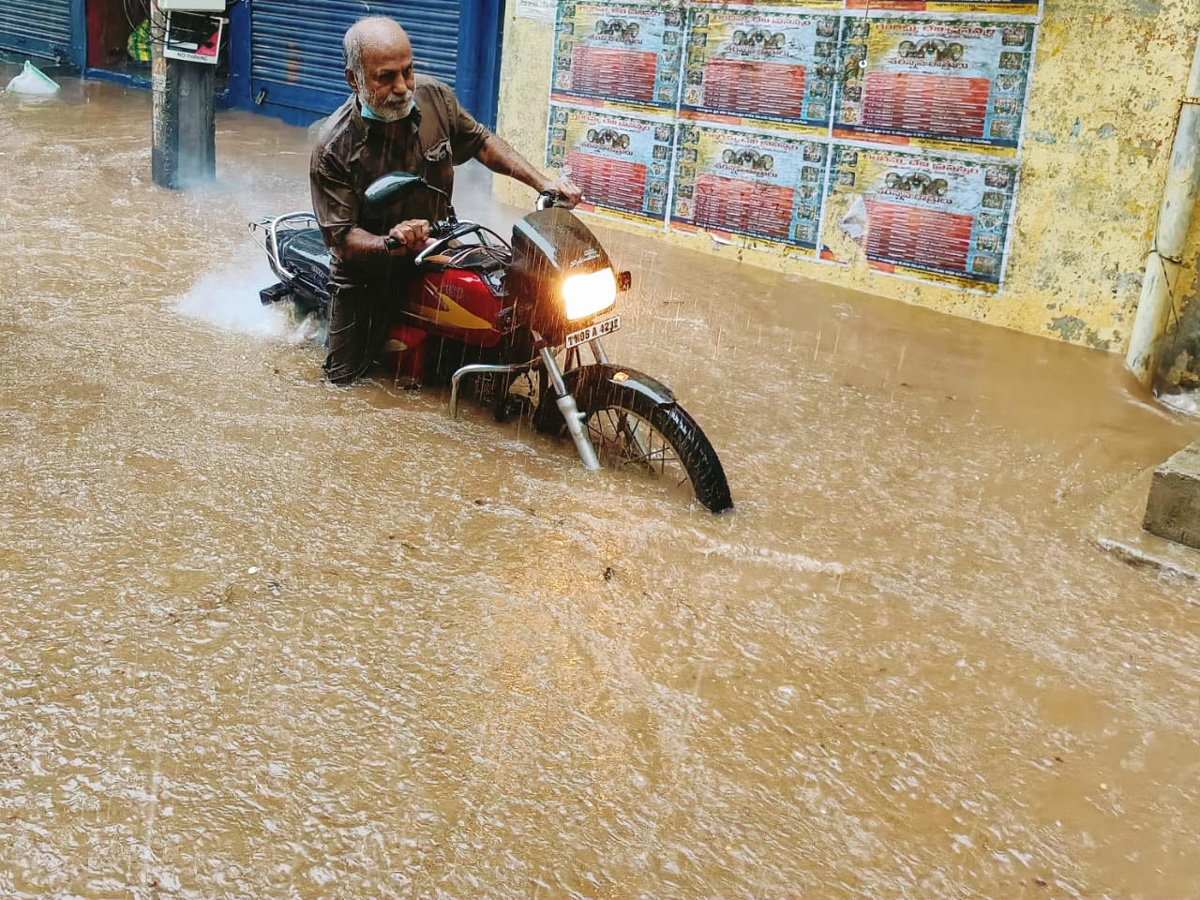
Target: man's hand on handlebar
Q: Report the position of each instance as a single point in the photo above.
(568, 192)
(407, 238)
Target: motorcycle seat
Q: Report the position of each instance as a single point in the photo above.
(303, 248)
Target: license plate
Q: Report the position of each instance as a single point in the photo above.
(593, 331)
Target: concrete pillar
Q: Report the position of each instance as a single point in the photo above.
(1174, 219)
(184, 149)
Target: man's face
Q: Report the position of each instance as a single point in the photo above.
(387, 80)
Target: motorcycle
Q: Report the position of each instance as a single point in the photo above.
(512, 320)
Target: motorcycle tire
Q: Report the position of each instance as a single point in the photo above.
(631, 429)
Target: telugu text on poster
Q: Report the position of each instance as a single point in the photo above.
(832, 5)
(1026, 8)
(758, 185)
(758, 65)
(616, 52)
(939, 218)
(948, 85)
(621, 162)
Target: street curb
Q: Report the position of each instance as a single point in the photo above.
(1117, 529)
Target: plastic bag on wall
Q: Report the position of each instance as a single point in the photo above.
(854, 222)
(32, 81)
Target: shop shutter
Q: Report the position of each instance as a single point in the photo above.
(296, 46)
(37, 28)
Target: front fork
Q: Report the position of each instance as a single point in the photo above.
(562, 397)
(570, 410)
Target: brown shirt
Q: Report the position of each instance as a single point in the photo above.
(351, 152)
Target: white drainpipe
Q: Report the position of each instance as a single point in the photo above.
(1174, 219)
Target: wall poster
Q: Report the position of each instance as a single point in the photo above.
(941, 218)
(621, 161)
(955, 85)
(828, 129)
(759, 185)
(618, 52)
(539, 10)
(760, 65)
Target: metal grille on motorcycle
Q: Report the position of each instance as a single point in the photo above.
(504, 316)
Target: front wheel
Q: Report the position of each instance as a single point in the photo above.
(633, 425)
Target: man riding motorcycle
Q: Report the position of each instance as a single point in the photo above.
(395, 120)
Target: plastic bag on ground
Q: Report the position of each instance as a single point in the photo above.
(32, 81)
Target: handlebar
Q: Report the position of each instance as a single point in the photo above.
(444, 232)
(547, 199)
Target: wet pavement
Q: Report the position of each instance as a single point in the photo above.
(265, 638)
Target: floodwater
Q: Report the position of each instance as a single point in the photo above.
(266, 638)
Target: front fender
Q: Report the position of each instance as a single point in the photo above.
(587, 378)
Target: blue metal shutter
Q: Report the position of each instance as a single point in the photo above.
(296, 46)
(40, 28)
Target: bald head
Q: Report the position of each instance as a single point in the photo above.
(379, 67)
(371, 36)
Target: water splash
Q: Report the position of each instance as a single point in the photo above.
(229, 299)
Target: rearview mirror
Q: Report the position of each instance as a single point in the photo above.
(392, 187)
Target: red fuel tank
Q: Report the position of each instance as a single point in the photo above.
(456, 304)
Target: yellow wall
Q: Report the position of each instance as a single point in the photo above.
(1107, 79)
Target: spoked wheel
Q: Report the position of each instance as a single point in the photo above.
(625, 440)
(630, 429)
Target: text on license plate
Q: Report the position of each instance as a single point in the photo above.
(593, 331)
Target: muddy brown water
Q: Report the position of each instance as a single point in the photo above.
(264, 638)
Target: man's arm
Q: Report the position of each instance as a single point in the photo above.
(336, 206)
(359, 245)
(403, 240)
(499, 156)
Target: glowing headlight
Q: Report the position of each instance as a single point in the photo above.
(589, 294)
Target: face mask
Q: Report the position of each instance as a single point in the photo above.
(388, 114)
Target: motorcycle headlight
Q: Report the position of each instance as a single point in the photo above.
(590, 293)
